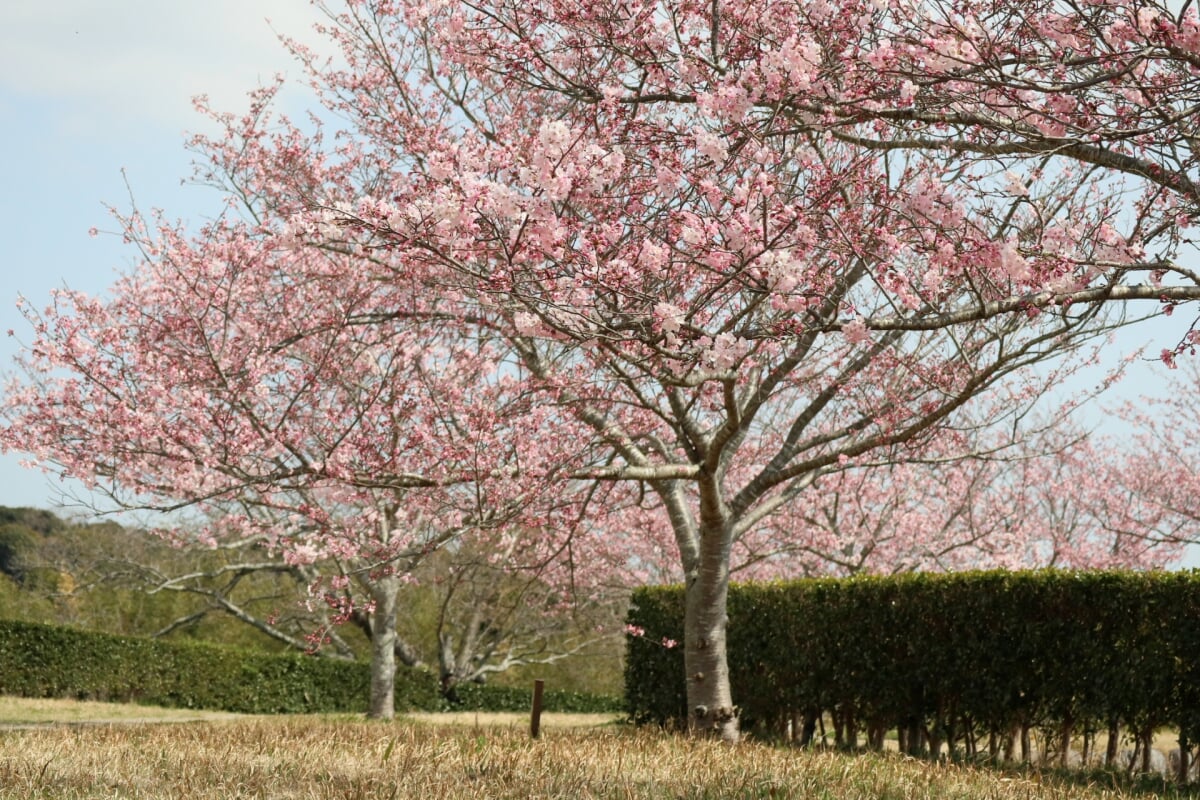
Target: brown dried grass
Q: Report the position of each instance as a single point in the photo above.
(314, 757)
(38, 711)
(550, 720)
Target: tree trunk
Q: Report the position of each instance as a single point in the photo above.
(1064, 742)
(810, 727)
(406, 654)
(382, 703)
(938, 735)
(1184, 753)
(710, 701)
(915, 738)
(1114, 741)
(875, 734)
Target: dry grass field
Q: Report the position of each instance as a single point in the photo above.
(21, 711)
(490, 756)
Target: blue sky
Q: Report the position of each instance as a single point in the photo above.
(89, 89)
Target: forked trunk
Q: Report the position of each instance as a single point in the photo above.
(710, 701)
(382, 703)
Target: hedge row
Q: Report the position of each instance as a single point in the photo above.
(477, 697)
(47, 661)
(966, 653)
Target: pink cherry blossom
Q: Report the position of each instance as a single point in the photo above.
(745, 261)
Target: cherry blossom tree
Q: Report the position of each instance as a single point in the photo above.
(1161, 463)
(750, 244)
(732, 250)
(1054, 499)
(228, 378)
(482, 603)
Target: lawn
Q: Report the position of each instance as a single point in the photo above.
(460, 756)
(21, 711)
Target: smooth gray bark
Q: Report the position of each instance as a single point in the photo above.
(710, 699)
(382, 703)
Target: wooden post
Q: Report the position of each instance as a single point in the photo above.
(535, 719)
(1184, 751)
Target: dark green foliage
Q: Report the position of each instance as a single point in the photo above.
(35, 519)
(654, 686)
(48, 661)
(16, 545)
(982, 652)
(477, 697)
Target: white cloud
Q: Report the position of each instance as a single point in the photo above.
(146, 59)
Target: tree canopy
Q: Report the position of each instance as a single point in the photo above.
(709, 257)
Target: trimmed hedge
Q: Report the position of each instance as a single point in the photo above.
(483, 697)
(48, 661)
(979, 652)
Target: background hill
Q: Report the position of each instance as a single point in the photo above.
(106, 577)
